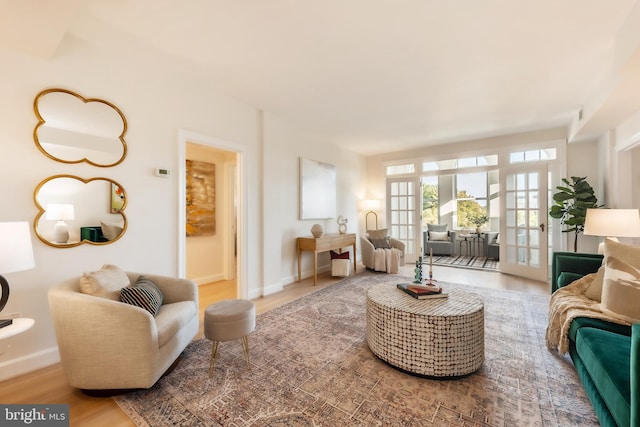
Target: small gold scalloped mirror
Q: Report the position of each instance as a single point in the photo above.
(73, 211)
(74, 129)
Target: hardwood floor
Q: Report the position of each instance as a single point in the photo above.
(49, 386)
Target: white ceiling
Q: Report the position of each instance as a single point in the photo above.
(377, 75)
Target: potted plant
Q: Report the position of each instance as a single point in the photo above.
(571, 203)
(479, 221)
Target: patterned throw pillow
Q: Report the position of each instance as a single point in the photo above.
(621, 290)
(144, 293)
(105, 283)
(381, 242)
(625, 253)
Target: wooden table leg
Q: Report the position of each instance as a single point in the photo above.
(354, 258)
(315, 267)
(299, 265)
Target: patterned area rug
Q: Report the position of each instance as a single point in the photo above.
(311, 367)
(471, 262)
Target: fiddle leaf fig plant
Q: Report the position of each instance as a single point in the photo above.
(571, 203)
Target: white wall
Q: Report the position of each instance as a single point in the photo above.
(283, 146)
(159, 96)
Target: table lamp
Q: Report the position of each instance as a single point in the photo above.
(612, 223)
(371, 205)
(16, 254)
(60, 212)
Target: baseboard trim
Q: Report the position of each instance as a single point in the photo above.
(29, 363)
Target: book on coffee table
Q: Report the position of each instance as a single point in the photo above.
(422, 291)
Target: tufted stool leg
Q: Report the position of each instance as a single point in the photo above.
(229, 320)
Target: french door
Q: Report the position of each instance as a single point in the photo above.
(404, 200)
(523, 228)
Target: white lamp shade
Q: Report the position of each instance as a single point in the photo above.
(16, 252)
(371, 205)
(60, 212)
(612, 222)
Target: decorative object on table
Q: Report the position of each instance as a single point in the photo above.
(317, 230)
(479, 221)
(571, 204)
(612, 223)
(342, 224)
(422, 291)
(418, 271)
(60, 212)
(16, 254)
(371, 205)
(431, 280)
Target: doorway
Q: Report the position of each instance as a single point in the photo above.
(218, 256)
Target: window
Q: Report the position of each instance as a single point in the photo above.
(467, 162)
(401, 169)
(471, 199)
(532, 155)
(430, 201)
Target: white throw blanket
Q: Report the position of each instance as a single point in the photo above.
(386, 260)
(566, 304)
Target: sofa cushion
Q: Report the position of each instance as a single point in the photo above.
(172, 318)
(589, 322)
(380, 242)
(105, 283)
(383, 232)
(625, 253)
(144, 294)
(438, 236)
(437, 227)
(621, 290)
(607, 358)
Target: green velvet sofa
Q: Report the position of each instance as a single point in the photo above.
(606, 355)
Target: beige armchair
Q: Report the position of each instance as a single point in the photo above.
(367, 250)
(110, 345)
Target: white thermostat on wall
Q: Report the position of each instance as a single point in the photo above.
(162, 172)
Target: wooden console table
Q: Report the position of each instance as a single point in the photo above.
(324, 243)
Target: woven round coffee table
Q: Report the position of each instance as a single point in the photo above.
(439, 338)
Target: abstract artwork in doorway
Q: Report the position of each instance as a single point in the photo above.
(201, 198)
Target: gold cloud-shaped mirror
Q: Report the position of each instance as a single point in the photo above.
(73, 211)
(74, 129)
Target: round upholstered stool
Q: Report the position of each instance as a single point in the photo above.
(229, 320)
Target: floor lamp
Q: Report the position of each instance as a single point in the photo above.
(370, 205)
(16, 254)
(612, 223)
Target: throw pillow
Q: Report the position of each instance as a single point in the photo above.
(625, 253)
(621, 290)
(336, 255)
(144, 294)
(105, 283)
(438, 227)
(380, 242)
(110, 231)
(439, 235)
(383, 232)
(498, 239)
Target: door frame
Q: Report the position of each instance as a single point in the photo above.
(185, 137)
